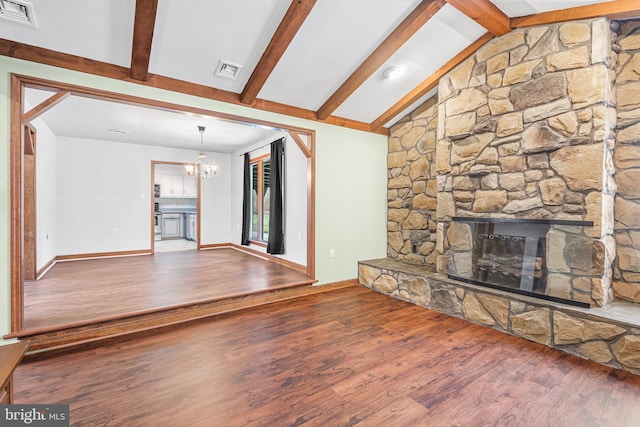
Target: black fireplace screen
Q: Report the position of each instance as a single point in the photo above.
(544, 258)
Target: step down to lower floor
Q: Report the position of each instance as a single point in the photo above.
(53, 341)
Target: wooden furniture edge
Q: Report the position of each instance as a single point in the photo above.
(10, 357)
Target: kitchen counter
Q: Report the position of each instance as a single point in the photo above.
(177, 211)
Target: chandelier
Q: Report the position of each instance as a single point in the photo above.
(201, 167)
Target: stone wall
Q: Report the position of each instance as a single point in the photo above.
(609, 342)
(627, 163)
(412, 186)
(543, 122)
(526, 129)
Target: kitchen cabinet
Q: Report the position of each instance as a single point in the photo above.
(176, 186)
(169, 185)
(192, 227)
(190, 186)
(172, 226)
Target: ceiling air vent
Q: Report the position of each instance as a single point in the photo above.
(18, 11)
(227, 69)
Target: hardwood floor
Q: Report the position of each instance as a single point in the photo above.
(83, 291)
(340, 358)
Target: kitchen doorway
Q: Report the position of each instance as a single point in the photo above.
(176, 203)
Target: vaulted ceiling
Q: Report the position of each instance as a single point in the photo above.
(322, 60)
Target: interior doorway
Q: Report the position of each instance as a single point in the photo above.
(55, 97)
(176, 208)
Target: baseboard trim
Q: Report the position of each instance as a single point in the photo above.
(263, 255)
(214, 246)
(277, 260)
(42, 271)
(337, 285)
(78, 257)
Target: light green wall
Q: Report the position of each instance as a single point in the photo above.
(350, 177)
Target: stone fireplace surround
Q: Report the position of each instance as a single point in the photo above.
(542, 123)
(524, 256)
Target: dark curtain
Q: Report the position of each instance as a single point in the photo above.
(275, 244)
(246, 202)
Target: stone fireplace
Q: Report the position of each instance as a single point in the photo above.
(531, 149)
(508, 136)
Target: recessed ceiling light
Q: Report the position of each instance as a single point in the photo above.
(391, 73)
(120, 131)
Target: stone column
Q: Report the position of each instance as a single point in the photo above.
(411, 193)
(626, 282)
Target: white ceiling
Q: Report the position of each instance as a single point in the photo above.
(103, 120)
(191, 36)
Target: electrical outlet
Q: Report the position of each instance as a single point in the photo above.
(332, 253)
(114, 230)
(299, 236)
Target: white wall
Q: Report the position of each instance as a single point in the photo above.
(46, 143)
(295, 198)
(104, 195)
(215, 202)
(295, 203)
(350, 176)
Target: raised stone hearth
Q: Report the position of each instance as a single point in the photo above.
(604, 335)
(542, 123)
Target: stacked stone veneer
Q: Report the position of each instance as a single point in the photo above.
(626, 282)
(607, 342)
(412, 186)
(525, 129)
(541, 123)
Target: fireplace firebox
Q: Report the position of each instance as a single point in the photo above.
(548, 259)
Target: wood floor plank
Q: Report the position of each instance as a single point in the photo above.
(349, 357)
(95, 289)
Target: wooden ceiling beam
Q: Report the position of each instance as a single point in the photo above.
(45, 106)
(407, 28)
(63, 60)
(486, 14)
(618, 9)
(71, 62)
(289, 26)
(429, 83)
(143, 27)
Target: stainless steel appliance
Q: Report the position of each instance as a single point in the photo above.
(157, 226)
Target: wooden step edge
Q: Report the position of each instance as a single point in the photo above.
(43, 330)
(95, 335)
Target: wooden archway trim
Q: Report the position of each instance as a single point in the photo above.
(18, 85)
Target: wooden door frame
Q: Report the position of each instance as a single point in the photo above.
(30, 247)
(16, 153)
